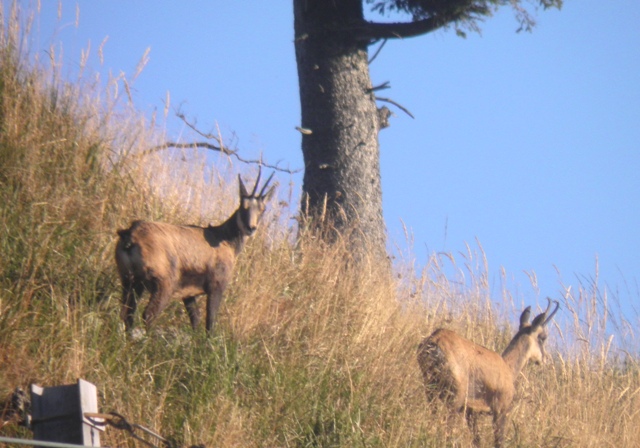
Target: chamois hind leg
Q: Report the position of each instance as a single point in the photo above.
(214, 299)
(131, 292)
(192, 310)
(160, 297)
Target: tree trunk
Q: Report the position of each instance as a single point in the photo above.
(340, 125)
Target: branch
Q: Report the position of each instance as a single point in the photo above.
(385, 85)
(206, 145)
(193, 127)
(375, 55)
(403, 109)
(370, 31)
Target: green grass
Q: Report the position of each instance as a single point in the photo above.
(307, 351)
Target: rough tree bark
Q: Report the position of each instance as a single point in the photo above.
(340, 120)
(342, 185)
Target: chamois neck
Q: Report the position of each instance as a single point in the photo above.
(515, 355)
(231, 232)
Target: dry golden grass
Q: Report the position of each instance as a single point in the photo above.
(309, 351)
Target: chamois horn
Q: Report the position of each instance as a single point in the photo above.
(266, 184)
(255, 187)
(548, 319)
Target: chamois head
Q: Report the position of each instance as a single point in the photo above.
(534, 334)
(251, 205)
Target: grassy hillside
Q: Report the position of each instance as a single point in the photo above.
(307, 352)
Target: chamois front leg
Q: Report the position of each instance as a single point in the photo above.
(131, 292)
(192, 310)
(214, 299)
(160, 297)
(499, 424)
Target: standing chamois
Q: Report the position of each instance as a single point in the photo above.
(184, 261)
(473, 379)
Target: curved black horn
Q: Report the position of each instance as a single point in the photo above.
(548, 306)
(553, 313)
(264, 187)
(255, 187)
(541, 319)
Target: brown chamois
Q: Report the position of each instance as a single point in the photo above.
(184, 261)
(473, 379)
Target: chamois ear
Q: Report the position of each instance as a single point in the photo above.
(243, 189)
(542, 319)
(267, 196)
(538, 320)
(524, 317)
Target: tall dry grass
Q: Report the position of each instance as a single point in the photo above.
(309, 350)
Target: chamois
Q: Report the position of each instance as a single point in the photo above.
(184, 261)
(474, 379)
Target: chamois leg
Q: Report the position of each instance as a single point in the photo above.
(472, 421)
(160, 297)
(131, 292)
(436, 393)
(192, 310)
(499, 423)
(214, 299)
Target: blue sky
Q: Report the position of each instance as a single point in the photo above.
(528, 143)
